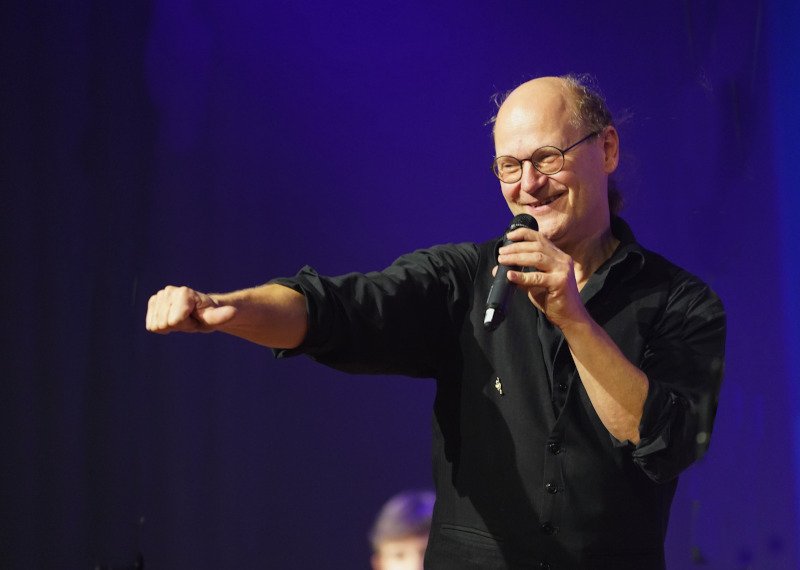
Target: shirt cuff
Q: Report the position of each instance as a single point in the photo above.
(310, 285)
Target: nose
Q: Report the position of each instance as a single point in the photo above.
(531, 179)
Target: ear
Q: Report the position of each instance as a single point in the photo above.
(375, 560)
(610, 149)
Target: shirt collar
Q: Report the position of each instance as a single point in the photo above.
(628, 248)
(626, 261)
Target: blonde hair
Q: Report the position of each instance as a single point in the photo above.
(405, 515)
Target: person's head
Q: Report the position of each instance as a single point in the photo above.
(567, 192)
(399, 536)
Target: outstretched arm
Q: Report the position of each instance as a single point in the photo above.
(270, 315)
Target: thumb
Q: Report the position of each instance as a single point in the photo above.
(214, 315)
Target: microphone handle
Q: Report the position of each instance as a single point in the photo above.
(501, 291)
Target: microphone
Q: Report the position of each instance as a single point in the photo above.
(502, 289)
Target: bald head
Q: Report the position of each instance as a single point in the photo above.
(567, 105)
(537, 101)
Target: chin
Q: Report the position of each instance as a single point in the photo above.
(550, 230)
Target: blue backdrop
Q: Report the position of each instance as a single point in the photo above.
(219, 144)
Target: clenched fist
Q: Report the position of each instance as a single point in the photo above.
(184, 309)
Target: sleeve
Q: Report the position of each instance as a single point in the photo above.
(395, 321)
(683, 361)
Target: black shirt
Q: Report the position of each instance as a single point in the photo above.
(526, 474)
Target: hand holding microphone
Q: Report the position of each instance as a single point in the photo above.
(502, 289)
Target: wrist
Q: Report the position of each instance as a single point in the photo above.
(579, 327)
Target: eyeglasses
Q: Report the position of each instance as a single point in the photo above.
(548, 160)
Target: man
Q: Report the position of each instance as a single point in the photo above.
(400, 533)
(558, 437)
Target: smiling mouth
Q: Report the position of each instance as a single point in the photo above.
(549, 200)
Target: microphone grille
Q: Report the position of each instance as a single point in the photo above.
(523, 221)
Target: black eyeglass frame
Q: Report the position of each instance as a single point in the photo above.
(533, 163)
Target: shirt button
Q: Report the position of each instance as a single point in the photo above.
(554, 447)
(548, 528)
(544, 566)
(562, 386)
(551, 487)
